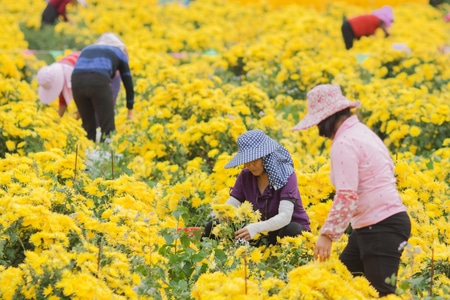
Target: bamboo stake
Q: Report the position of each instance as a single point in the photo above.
(432, 272)
(112, 164)
(76, 162)
(245, 273)
(99, 256)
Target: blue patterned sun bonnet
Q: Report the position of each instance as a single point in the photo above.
(277, 160)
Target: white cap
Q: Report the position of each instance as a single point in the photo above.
(111, 39)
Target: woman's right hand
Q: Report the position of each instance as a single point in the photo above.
(323, 248)
(243, 234)
(130, 114)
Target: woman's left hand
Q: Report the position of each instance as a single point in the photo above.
(243, 234)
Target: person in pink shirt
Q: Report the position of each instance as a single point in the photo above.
(365, 25)
(54, 81)
(447, 17)
(366, 197)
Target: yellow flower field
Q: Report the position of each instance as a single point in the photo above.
(87, 221)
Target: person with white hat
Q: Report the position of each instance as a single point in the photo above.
(91, 84)
(366, 197)
(111, 39)
(55, 81)
(269, 182)
(56, 8)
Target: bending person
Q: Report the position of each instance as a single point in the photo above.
(362, 172)
(56, 8)
(366, 25)
(269, 182)
(91, 84)
(55, 80)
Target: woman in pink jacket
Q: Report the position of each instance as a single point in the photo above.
(366, 198)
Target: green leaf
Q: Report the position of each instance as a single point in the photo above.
(169, 238)
(220, 255)
(198, 257)
(181, 210)
(185, 240)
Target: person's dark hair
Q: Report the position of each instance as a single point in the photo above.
(326, 127)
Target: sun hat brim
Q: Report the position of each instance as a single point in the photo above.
(48, 95)
(385, 14)
(67, 84)
(252, 154)
(313, 119)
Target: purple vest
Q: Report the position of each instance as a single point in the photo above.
(246, 188)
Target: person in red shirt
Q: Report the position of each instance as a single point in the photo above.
(366, 25)
(56, 8)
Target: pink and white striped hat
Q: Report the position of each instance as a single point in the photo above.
(323, 101)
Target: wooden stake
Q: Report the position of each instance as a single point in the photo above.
(99, 256)
(112, 164)
(432, 272)
(76, 160)
(245, 273)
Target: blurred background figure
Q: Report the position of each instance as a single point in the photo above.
(55, 80)
(56, 8)
(91, 84)
(436, 3)
(366, 25)
(447, 17)
(109, 39)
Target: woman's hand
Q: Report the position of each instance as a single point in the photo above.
(323, 248)
(130, 114)
(243, 234)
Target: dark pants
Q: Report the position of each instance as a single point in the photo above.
(347, 34)
(49, 15)
(93, 96)
(373, 251)
(291, 229)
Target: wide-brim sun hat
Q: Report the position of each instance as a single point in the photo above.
(111, 39)
(323, 101)
(385, 14)
(67, 85)
(50, 79)
(252, 145)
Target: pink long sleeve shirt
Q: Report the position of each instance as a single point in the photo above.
(363, 174)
